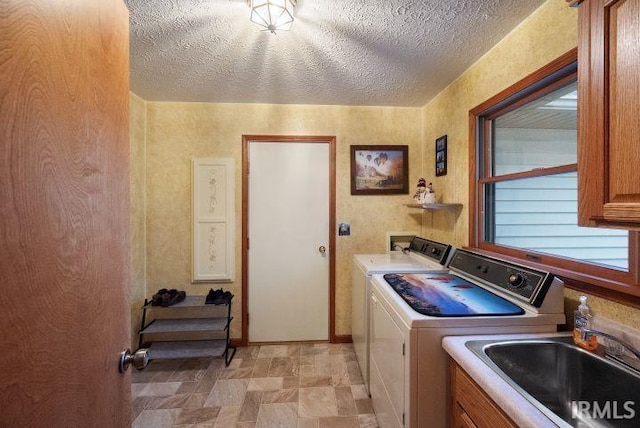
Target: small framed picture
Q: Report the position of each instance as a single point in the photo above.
(379, 170)
(441, 156)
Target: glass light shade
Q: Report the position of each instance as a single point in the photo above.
(272, 14)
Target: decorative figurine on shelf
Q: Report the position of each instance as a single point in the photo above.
(429, 196)
(420, 191)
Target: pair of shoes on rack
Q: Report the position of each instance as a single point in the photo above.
(218, 297)
(166, 297)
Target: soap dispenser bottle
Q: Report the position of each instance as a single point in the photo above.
(582, 318)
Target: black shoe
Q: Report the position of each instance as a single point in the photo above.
(212, 296)
(157, 298)
(175, 297)
(218, 297)
(166, 297)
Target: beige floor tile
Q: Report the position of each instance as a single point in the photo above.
(136, 388)
(247, 352)
(227, 393)
(138, 405)
(160, 389)
(189, 371)
(359, 392)
(293, 350)
(261, 367)
(164, 418)
(323, 369)
(281, 415)
(187, 387)
(339, 422)
(307, 422)
(204, 415)
(239, 373)
(155, 402)
(248, 362)
(227, 417)
(345, 402)
(307, 370)
(265, 384)
(281, 396)
(206, 383)
(234, 364)
(317, 402)
(323, 359)
(142, 376)
(162, 375)
(289, 382)
(284, 366)
(310, 381)
(271, 351)
(364, 406)
(354, 373)
(307, 360)
(340, 379)
(184, 401)
(250, 406)
(314, 349)
(368, 421)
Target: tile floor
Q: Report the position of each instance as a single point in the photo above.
(298, 386)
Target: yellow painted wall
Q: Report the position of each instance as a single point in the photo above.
(545, 35)
(179, 132)
(137, 292)
(548, 33)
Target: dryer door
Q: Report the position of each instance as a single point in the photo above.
(387, 365)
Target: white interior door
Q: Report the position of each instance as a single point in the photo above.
(288, 273)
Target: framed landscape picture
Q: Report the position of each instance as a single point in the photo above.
(379, 170)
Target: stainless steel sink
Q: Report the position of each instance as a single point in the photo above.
(571, 386)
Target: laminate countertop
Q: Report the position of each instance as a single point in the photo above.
(519, 409)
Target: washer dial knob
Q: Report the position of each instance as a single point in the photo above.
(516, 280)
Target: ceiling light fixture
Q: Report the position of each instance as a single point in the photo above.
(272, 14)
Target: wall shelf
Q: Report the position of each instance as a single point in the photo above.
(435, 206)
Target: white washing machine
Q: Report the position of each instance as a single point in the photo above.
(412, 312)
(422, 255)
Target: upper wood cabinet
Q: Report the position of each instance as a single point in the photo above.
(609, 113)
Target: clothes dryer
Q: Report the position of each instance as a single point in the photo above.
(422, 255)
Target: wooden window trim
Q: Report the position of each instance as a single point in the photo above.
(537, 172)
(617, 285)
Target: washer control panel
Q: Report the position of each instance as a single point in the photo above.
(434, 250)
(523, 282)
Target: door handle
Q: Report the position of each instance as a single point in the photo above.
(139, 360)
(322, 249)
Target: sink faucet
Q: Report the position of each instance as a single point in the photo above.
(585, 331)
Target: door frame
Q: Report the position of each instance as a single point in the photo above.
(246, 139)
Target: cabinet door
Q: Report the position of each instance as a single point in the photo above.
(471, 407)
(609, 123)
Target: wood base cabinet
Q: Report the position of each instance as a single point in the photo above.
(609, 123)
(471, 407)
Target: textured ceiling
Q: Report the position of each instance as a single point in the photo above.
(338, 52)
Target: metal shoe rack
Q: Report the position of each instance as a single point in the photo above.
(182, 321)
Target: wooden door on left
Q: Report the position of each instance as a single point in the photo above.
(64, 213)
